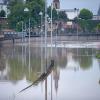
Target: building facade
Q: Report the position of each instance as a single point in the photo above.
(3, 6)
(56, 4)
(97, 17)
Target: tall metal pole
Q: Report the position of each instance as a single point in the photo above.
(51, 45)
(22, 31)
(29, 42)
(51, 28)
(77, 23)
(46, 47)
(46, 33)
(25, 32)
(25, 43)
(22, 42)
(57, 28)
(29, 31)
(41, 14)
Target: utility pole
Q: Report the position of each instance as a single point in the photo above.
(46, 33)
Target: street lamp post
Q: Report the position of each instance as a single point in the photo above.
(57, 24)
(51, 28)
(27, 10)
(41, 14)
(46, 33)
(45, 47)
(22, 41)
(77, 10)
(77, 25)
(22, 31)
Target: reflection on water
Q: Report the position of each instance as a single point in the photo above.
(75, 69)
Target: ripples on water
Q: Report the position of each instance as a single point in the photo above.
(75, 76)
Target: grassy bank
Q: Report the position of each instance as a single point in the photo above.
(98, 56)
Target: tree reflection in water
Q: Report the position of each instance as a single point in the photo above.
(2, 65)
(15, 62)
(2, 61)
(84, 57)
(18, 67)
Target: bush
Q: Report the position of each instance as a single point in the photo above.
(2, 13)
(98, 56)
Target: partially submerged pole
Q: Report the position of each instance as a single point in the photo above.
(46, 33)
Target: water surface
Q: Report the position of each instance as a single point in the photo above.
(75, 76)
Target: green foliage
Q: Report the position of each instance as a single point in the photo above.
(88, 25)
(19, 26)
(17, 13)
(98, 27)
(85, 62)
(62, 16)
(85, 14)
(0, 27)
(83, 24)
(2, 13)
(57, 16)
(54, 13)
(98, 56)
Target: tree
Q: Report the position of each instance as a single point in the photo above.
(98, 27)
(0, 26)
(62, 16)
(85, 21)
(2, 13)
(17, 13)
(54, 13)
(85, 14)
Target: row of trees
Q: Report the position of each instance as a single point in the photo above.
(17, 14)
(86, 23)
(2, 13)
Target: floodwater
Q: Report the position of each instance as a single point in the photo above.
(75, 75)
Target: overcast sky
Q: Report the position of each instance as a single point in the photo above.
(92, 5)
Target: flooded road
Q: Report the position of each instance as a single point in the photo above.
(75, 76)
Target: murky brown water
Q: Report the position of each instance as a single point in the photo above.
(75, 76)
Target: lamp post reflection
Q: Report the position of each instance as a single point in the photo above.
(51, 45)
(41, 14)
(77, 11)
(25, 42)
(27, 10)
(46, 47)
(22, 44)
(51, 29)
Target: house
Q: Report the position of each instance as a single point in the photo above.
(97, 17)
(56, 4)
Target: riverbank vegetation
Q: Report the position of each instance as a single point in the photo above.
(98, 55)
